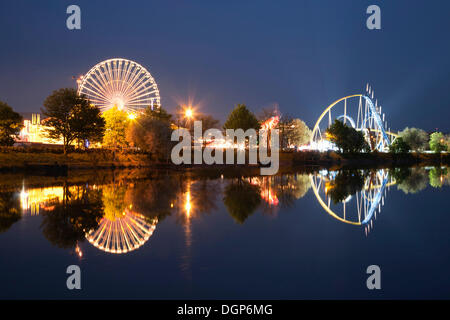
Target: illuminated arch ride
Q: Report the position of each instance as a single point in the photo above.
(122, 234)
(359, 111)
(122, 83)
(358, 209)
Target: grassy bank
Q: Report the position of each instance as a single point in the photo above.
(374, 158)
(14, 158)
(51, 160)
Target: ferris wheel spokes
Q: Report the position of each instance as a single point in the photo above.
(122, 83)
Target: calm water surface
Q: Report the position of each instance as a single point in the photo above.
(165, 235)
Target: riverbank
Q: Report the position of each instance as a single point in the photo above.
(48, 162)
(369, 159)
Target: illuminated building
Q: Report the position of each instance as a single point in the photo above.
(34, 200)
(33, 130)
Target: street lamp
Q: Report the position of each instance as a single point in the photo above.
(189, 113)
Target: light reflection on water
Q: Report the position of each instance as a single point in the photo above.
(126, 214)
(120, 215)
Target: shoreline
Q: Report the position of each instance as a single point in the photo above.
(51, 163)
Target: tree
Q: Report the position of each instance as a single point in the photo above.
(286, 188)
(447, 141)
(295, 132)
(58, 107)
(72, 217)
(154, 198)
(241, 118)
(400, 174)
(241, 200)
(205, 193)
(158, 113)
(399, 146)
(346, 138)
(267, 113)
(208, 122)
(10, 210)
(437, 142)
(113, 198)
(116, 124)
(151, 135)
(416, 138)
(416, 180)
(346, 183)
(10, 124)
(71, 117)
(88, 123)
(436, 176)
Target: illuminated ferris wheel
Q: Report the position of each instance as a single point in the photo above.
(121, 83)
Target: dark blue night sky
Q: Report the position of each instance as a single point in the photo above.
(301, 55)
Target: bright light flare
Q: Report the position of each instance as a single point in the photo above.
(188, 205)
(189, 113)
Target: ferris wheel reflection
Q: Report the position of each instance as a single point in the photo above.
(122, 234)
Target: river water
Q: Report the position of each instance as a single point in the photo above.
(226, 235)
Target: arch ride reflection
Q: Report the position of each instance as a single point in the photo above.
(352, 196)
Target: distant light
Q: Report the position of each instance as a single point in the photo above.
(270, 123)
(189, 113)
(188, 206)
(131, 116)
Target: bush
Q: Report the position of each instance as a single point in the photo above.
(437, 142)
(151, 135)
(417, 139)
(346, 138)
(399, 146)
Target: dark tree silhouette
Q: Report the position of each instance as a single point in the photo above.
(346, 138)
(346, 183)
(241, 200)
(10, 124)
(72, 117)
(153, 198)
(415, 181)
(399, 146)
(74, 216)
(241, 118)
(10, 211)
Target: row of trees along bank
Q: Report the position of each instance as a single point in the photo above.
(74, 120)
